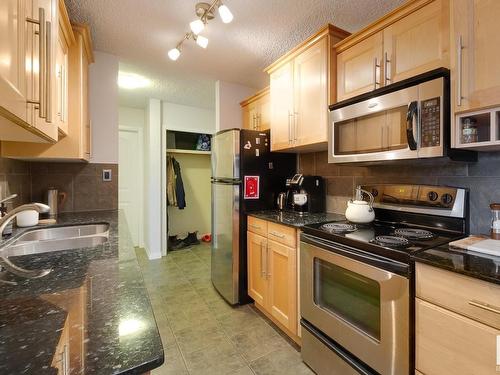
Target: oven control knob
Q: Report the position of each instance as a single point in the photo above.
(432, 195)
(446, 199)
(374, 192)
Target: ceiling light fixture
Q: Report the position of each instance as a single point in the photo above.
(205, 13)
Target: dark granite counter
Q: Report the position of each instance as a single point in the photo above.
(293, 219)
(93, 308)
(480, 266)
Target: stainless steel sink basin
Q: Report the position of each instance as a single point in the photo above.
(59, 233)
(58, 238)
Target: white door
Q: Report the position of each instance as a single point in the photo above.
(130, 180)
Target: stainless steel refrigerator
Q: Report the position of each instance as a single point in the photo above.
(246, 177)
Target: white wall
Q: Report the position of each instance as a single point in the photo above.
(103, 100)
(133, 117)
(188, 119)
(153, 199)
(227, 104)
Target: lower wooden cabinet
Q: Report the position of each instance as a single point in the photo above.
(272, 278)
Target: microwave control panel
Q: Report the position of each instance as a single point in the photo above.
(431, 122)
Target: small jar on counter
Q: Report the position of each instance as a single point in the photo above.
(469, 131)
(495, 221)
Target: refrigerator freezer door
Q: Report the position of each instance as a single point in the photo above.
(225, 239)
(226, 154)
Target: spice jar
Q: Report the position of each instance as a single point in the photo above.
(469, 130)
(495, 221)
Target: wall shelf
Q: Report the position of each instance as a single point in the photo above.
(193, 152)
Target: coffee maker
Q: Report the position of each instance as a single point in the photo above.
(305, 194)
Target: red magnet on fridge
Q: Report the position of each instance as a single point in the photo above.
(251, 187)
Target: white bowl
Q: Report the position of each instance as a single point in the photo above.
(27, 218)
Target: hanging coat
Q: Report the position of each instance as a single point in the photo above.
(171, 197)
(179, 185)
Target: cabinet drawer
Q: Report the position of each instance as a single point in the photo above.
(448, 343)
(257, 226)
(282, 234)
(474, 298)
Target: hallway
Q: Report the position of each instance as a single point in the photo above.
(201, 333)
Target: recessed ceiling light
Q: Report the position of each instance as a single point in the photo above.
(132, 81)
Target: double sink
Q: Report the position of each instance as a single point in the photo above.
(57, 238)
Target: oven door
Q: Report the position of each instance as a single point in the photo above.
(359, 305)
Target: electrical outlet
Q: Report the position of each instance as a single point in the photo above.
(106, 175)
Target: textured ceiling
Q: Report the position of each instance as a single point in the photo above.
(141, 32)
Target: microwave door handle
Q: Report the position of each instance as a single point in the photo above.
(411, 118)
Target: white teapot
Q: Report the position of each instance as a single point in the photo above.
(359, 211)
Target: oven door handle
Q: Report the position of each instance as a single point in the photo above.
(387, 265)
(411, 116)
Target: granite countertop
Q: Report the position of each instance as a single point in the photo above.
(479, 266)
(94, 301)
(293, 219)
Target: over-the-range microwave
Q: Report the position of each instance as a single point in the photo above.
(406, 120)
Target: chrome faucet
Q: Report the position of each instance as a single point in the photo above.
(6, 263)
(8, 217)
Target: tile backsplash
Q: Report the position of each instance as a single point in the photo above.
(81, 181)
(481, 178)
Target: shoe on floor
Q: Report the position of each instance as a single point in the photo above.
(191, 239)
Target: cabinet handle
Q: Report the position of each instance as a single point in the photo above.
(375, 67)
(267, 261)
(48, 73)
(387, 76)
(258, 121)
(485, 306)
(276, 234)
(460, 47)
(262, 270)
(42, 69)
(295, 125)
(254, 226)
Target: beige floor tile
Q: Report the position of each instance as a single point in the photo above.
(285, 361)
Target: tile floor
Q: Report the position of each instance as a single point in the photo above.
(201, 333)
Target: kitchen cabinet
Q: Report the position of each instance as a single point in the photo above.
(456, 328)
(272, 273)
(76, 145)
(476, 62)
(358, 68)
(411, 40)
(28, 35)
(256, 111)
(302, 84)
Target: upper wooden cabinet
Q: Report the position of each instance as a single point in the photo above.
(409, 41)
(28, 35)
(76, 145)
(256, 111)
(302, 84)
(476, 56)
(358, 68)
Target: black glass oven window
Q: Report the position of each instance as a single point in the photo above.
(349, 295)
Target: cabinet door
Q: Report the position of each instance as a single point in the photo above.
(12, 57)
(448, 343)
(86, 128)
(417, 43)
(250, 112)
(476, 68)
(62, 84)
(257, 263)
(282, 274)
(311, 95)
(281, 107)
(358, 68)
(264, 115)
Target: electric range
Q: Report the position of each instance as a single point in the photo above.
(356, 280)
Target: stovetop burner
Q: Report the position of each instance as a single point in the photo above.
(414, 233)
(339, 227)
(391, 241)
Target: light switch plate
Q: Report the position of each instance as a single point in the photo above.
(106, 175)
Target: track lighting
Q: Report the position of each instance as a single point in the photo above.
(205, 13)
(197, 26)
(225, 14)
